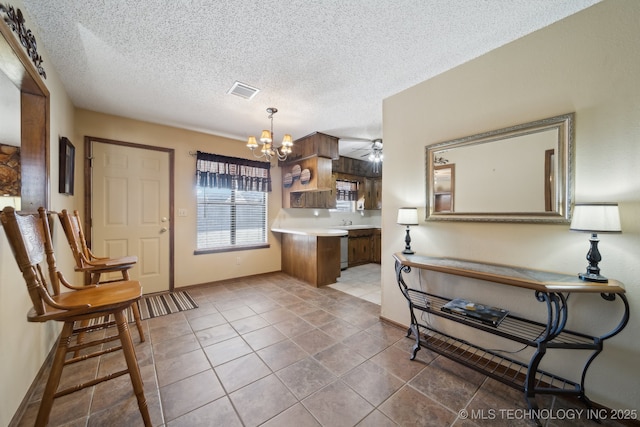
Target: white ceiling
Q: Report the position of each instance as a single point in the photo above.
(325, 64)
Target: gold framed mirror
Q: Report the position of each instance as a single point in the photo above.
(522, 173)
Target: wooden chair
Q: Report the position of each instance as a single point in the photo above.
(93, 265)
(30, 240)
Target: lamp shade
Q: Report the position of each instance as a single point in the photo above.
(287, 141)
(252, 143)
(408, 216)
(265, 137)
(596, 218)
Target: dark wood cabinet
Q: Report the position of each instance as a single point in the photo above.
(369, 182)
(315, 199)
(376, 246)
(312, 259)
(364, 246)
(316, 144)
(314, 153)
(373, 193)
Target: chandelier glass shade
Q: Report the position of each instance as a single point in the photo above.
(265, 144)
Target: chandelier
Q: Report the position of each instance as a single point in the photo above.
(267, 148)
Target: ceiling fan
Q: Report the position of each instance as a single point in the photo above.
(354, 147)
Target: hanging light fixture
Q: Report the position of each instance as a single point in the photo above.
(267, 148)
(376, 155)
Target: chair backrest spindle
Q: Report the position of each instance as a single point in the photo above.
(75, 236)
(30, 242)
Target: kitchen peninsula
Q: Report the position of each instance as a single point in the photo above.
(311, 255)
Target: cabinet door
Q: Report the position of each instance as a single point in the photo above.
(296, 200)
(359, 250)
(368, 194)
(376, 247)
(377, 193)
(373, 193)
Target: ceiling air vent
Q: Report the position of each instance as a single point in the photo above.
(243, 90)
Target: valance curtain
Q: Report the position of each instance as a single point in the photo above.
(232, 173)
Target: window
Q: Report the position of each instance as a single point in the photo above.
(346, 195)
(231, 218)
(231, 197)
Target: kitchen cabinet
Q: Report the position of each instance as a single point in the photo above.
(314, 199)
(369, 182)
(373, 193)
(314, 155)
(364, 246)
(311, 258)
(316, 144)
(350, 166)
(376, 246)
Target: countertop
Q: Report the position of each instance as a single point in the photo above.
(338, 230)
(320, 232)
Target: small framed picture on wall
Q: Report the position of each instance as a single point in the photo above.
(67, 166)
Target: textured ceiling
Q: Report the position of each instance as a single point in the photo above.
(325, 64)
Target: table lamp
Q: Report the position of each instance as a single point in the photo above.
(595, 218)
(408, 217)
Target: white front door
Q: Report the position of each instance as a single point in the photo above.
(131, 210)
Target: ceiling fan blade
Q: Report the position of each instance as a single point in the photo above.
(353, 140)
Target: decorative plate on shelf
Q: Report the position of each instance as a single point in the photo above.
(295, 171)
(287, 180)
(305, 176)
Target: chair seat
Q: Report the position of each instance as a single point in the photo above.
(101, 299)
(110, 263)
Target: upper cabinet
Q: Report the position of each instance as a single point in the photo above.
(316, 144)
(310, 172)
(369, 182)
(372, 193)
(307, 179)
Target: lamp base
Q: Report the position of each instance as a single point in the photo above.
(407, 244)
(591, 277)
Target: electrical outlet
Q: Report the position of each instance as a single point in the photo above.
(182, 212)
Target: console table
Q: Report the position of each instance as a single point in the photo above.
(550, 289)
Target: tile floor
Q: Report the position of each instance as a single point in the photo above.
(362, 281)
(272, 351)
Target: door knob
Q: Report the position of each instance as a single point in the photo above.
(164, 229)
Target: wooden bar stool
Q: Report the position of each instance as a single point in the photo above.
(30, 240)
(93, 265)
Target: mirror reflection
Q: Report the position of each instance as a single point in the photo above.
(24, 100)
(9, 143)
(521, 173)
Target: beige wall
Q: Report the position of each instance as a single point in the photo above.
(587, 64)
(26, 345)
(191, 269)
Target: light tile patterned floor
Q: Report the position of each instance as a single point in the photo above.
(362, 281)
(269, 350)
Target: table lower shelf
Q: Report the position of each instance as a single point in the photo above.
(513, 327)
(492, 364)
